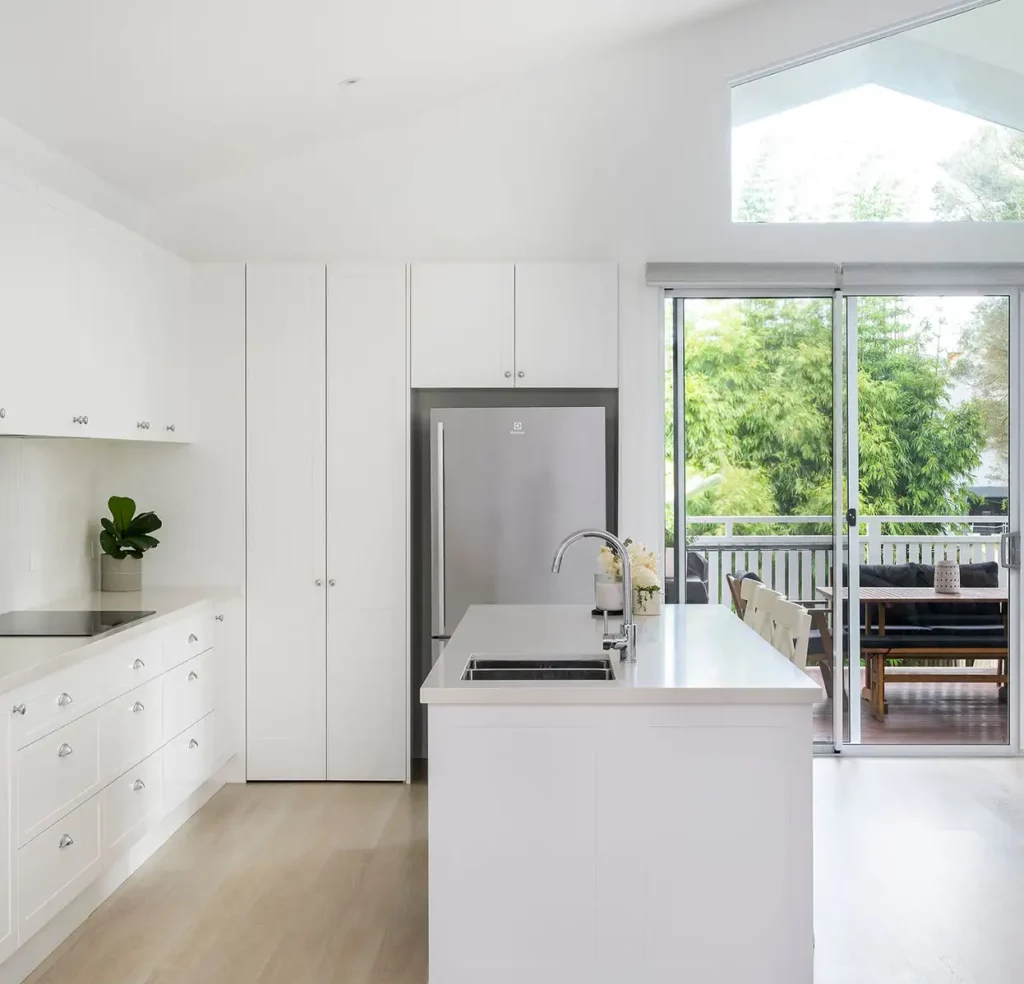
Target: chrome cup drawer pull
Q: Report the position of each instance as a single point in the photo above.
(65, 841)
(138, 706)
(138, 784)
(138, 665)
(192, 675)
(218, 618)
(64, 699)
(18, 709)
(192, 743)
(192, 639)
(64, 751)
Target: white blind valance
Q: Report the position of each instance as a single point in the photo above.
(719, 278)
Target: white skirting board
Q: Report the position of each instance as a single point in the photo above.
(36, 949)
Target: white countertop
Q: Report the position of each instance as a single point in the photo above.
(689, 654)
(24, 659)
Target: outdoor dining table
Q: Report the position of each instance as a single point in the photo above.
(875, 601)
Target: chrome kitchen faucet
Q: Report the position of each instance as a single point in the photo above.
(625, 642)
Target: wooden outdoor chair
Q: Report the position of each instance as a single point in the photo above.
(739, 603)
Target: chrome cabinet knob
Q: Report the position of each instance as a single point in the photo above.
(138, 706)
(76, 420)
(192, 743)
(18, 709)
(508, 373)
(139, 425)
(218, 618)
(65, 841)
(192, 638)
(319, 583)
(64, 699)
(331, 583)
(192, 675)
(3, 413)
(64, 751)
(520, 374)
(170, 427)
(138, 665)
(138, 784)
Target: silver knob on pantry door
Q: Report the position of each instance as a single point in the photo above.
(520, 374)
(508, 373)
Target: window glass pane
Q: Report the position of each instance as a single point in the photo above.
(927, 125)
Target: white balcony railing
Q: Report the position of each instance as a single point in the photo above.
(797, 564)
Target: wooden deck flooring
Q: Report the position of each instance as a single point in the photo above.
(929, 714)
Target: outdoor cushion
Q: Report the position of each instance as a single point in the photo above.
(954, 642)
(984, 575)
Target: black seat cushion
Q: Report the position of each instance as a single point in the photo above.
(937, 640)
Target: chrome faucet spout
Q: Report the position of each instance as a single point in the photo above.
(625, 642)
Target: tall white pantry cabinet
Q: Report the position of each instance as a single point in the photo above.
(327, 460)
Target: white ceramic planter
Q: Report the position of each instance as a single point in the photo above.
(646, 603)
(120, 575)
(607, 593)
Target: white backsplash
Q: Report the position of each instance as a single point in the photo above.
(49, 514)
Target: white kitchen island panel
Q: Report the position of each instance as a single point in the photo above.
(634, 841)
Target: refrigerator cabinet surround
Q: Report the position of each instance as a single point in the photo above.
(507, 484)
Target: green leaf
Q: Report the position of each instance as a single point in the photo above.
(145, 522)
(108, 526)
(122, 509)
(111, 545)
(142, 542)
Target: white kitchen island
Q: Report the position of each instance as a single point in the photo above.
(651, 829)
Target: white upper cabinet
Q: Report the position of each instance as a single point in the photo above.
(463, 325)
(91, 324)
(567, 325)
(526, 324)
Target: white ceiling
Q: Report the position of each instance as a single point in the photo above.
(157, 96)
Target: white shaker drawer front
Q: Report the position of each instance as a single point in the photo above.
(55, 866)
(188, 694)
(187, 760)
(188, 637)
(57, 700)
(134, 663)
(131, 800)
(131, 728)
(56, 773)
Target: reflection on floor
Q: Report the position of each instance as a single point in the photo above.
(917, 881)
(929, 714)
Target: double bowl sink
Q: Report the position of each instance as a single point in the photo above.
(546, 668)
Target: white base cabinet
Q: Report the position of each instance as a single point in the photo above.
(79, 788)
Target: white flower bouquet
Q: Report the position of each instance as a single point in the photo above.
(643, 566)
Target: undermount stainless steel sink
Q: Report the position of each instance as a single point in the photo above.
(539, 668)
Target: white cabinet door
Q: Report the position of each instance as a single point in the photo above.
(229, 694)
(286, 558)
(8, 938)
(462, 324)
(567, 325)
(367, 516)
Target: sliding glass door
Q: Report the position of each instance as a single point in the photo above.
(749, 401)
(857, 451)
(930, 518)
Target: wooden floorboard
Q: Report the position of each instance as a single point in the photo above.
(917, 881)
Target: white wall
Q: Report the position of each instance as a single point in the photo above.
(622, 157)
(49, 514)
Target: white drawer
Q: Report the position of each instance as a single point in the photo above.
(57, 700)
(56, 773)
(188, 637)
(130, 801)
(187, 760)
(55, 866)
(133, 663)
(131, 728)
(188, 693)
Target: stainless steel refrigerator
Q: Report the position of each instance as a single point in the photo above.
(507, 484)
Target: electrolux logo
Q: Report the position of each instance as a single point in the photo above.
(517, 428)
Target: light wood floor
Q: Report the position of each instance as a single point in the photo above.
(918, 880)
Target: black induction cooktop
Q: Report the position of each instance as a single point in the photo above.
(43, 623)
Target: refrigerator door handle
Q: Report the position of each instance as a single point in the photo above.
(439, 586)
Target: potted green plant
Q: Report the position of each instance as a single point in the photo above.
(125, 538)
